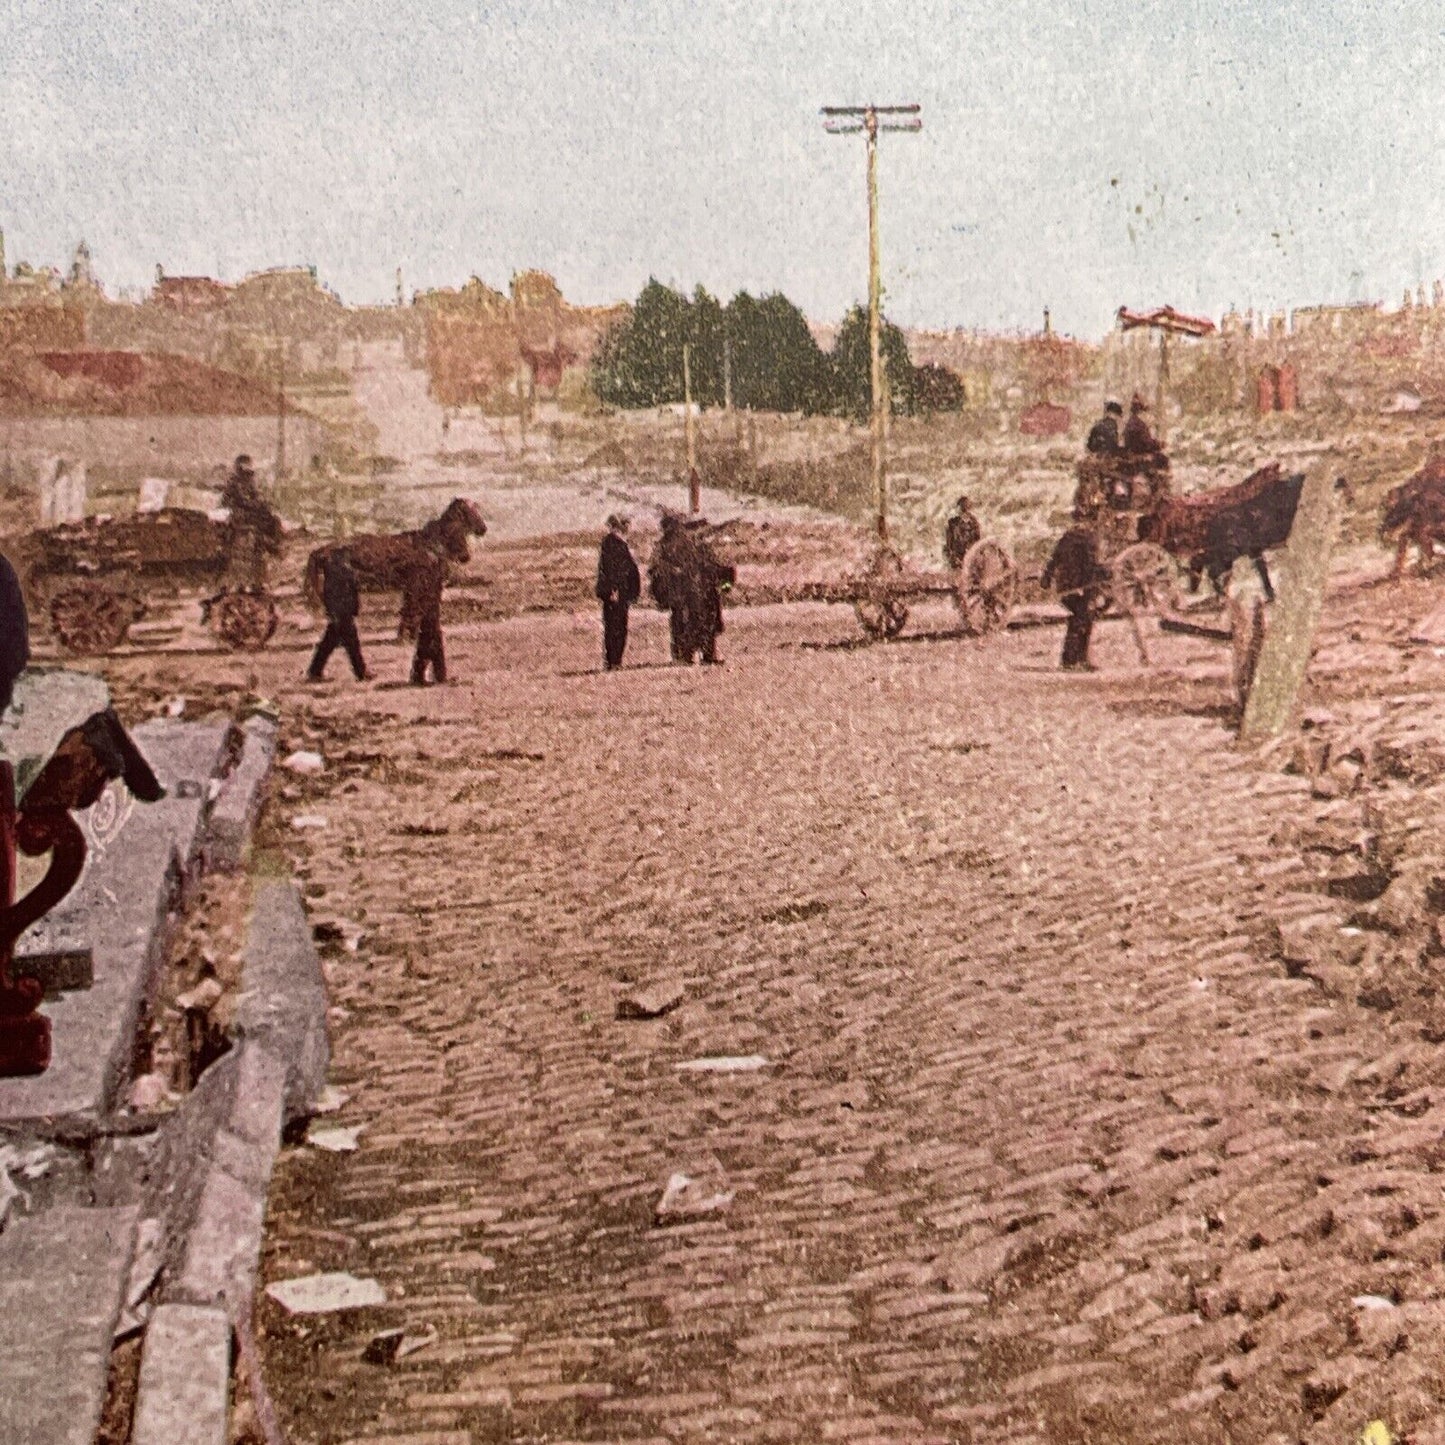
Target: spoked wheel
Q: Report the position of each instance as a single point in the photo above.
(986, 588)
(243, 620)
(1145, 580)
(90, 619)
(879, 603)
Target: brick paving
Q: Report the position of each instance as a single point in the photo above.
(1048, 1145)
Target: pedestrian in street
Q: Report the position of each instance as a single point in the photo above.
(341, 598)
(421, 604)
(1074, 570)
(619, 585)
(686, 578)
(14, 631)
(960, 534)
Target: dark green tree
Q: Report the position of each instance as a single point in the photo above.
(640, 361)
(776, 363)
(852, 385)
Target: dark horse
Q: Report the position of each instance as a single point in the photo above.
(1210, 531)
(1415, 513)
(385, 562)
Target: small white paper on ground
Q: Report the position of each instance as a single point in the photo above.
(308, 820)
(319, 1294)
(331, 1100)
(304, 762)
(725, 1064)
(337, 1141)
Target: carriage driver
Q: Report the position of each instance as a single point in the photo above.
(1104, 434)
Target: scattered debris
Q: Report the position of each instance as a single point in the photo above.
(1377, 1433)
(302, 761)
(331, 1100)
(176, 707)
(29, 1161)
(8, 1195)
(1373, 1302)
(308, 820)
(650, 1002)
(320, 1294)
(148, 1092)
(686, 1198)
(202, 998)
(335, 1141)
(382, 1347)
(725, 1064)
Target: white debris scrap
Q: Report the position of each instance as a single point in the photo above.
(302, 761)
(321, 1294)
(725, 1064)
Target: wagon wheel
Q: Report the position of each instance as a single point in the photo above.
(90, 619)
(1145, 579)
(243, 620)
(879, 603)
(986, 587)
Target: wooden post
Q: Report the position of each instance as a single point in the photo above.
(689, 437)
(875, 348)
(280, 411)
(727, 375)
(1304, 570)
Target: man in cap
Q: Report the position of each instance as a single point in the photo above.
(254, 529)
(619, 585)
(960, 534)
(1104, 434)
(1075, 571)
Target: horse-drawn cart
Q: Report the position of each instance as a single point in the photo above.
(93, 579)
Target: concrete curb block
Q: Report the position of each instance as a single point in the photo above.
(237, 806)
(185, 1378)
(284, 1002)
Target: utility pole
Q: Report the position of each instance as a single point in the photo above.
(694, 497)
(727, 375)
(280, 409)
(849, 120)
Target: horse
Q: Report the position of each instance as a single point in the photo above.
(1210, 531)
(1415, 513)
(385, 562)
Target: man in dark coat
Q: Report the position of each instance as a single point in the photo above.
(14, 631)
(686, 578)
(421, 599)
(1104, 434)
(1139, 440)
(619, 585)
(254, 529)
(960, 534)
(342, 600)
(1075, 571)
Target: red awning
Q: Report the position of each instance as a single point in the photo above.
(1166, 318)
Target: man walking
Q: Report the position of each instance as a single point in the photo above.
(1074, 570)
(341, 599)
(619, 585)
(421, 600)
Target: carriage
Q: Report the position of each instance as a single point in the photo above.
(94, 578)
(1144, 536)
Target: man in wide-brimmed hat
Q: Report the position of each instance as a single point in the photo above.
(1139, 440)
(619, 585)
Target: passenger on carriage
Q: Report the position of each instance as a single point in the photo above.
(960, 534)
(1140, 443)
(1104, 434)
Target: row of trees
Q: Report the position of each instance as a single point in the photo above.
(766, 349)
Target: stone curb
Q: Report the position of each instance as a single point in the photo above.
(185, 1378)
(234, 1121)
(238, 804)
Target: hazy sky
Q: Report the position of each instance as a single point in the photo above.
(1074, 155)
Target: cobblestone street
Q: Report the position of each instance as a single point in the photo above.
(1047, 1145)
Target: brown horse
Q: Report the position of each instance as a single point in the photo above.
(384, 562)
(1415, 515)
(1209, 531)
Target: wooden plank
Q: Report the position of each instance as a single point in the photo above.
(1295, 615)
